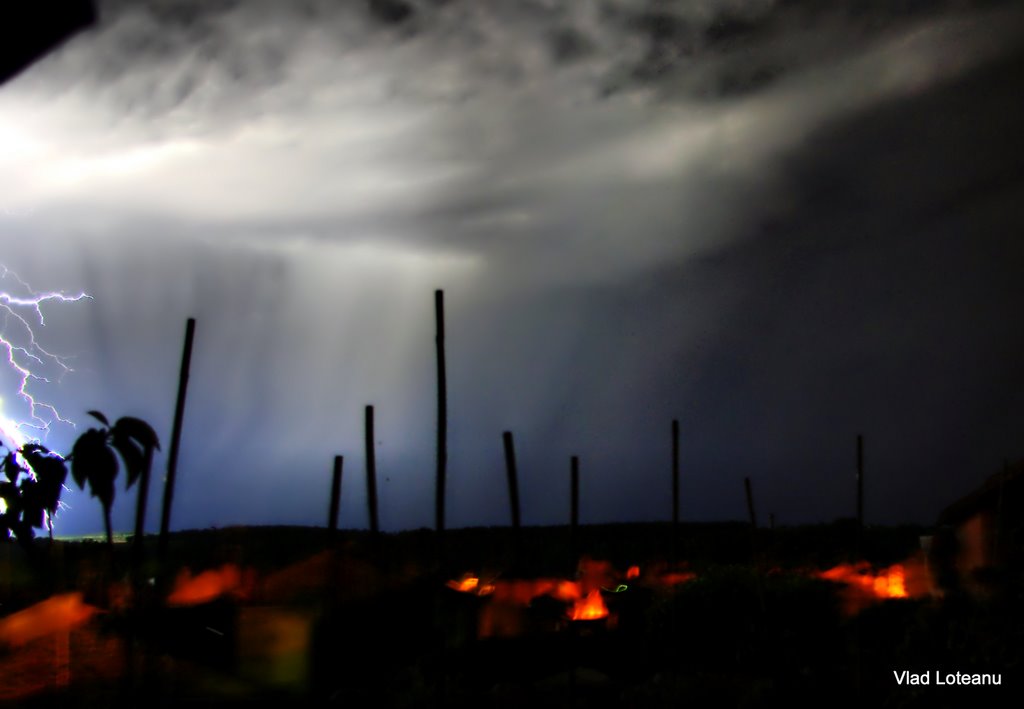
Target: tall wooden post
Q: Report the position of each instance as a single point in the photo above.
(675, 490)
(140, 510)
(371, 474)
(754, 551)
(442, 413)
(574, 506)
(172, 456)
(332, 515)
(513, 486)
(860, 495)
(750, 503)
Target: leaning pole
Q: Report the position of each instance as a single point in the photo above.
(172, 456)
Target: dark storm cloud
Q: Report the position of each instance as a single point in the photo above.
(781, 222)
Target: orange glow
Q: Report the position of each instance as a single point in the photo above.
(590, 608)
(504, 615)
(467, 584)
(596, 572)
(864, 586)
(673, 578)
(887, 583)
(191, 590)
(57, 613)
(568, 591)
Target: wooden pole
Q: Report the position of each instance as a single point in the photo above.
(860, 494)
(332, 516)
(140, 509)
(513, 485)
(442, 413)
(754, 552)
(172, 456)
(371, 474)
(574, 506)
(675, 489)
(750, 503)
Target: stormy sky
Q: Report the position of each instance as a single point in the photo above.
(782, 222)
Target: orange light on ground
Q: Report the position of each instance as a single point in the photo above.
(57, 613)
(674, 578)
(863, 586)
(886, 583)
(192, 590)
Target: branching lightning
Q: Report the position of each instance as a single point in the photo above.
(22, 313)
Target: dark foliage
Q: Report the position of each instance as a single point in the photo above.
(31, 491)
(94, 462)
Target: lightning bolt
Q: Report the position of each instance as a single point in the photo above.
(22, 313)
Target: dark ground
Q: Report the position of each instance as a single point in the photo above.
(374, 625)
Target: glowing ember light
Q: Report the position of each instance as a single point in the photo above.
(470, 583)
(633, 572)
(567, 591)
(887, 583)
(467, 584)
(674, 578)
(207, 586)
(57, 613)
(504, 614)
(862, 586)
(590, 608)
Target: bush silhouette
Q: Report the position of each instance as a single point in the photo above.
(31, 493)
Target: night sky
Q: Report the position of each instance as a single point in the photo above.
(781, 223)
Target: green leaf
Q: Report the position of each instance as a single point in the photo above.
(9, 494)
(32, 506)
(93, 462)
(23, 531)
(51, 471)
(84, 454)
(100, 417)
(138, 430)
(133, 456)
(12, 468)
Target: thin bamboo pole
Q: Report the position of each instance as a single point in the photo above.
(442, 414)
(574, 507)
(860, 495)
(675, 491)
(371, 474)
(750, 503)
(513, 486)
(332, 516)
(172, 456)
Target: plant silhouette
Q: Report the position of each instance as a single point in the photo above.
(35, 476)
(94, 461)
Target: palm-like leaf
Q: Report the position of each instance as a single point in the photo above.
(99, 417)
(135, 440)
(94, 463)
